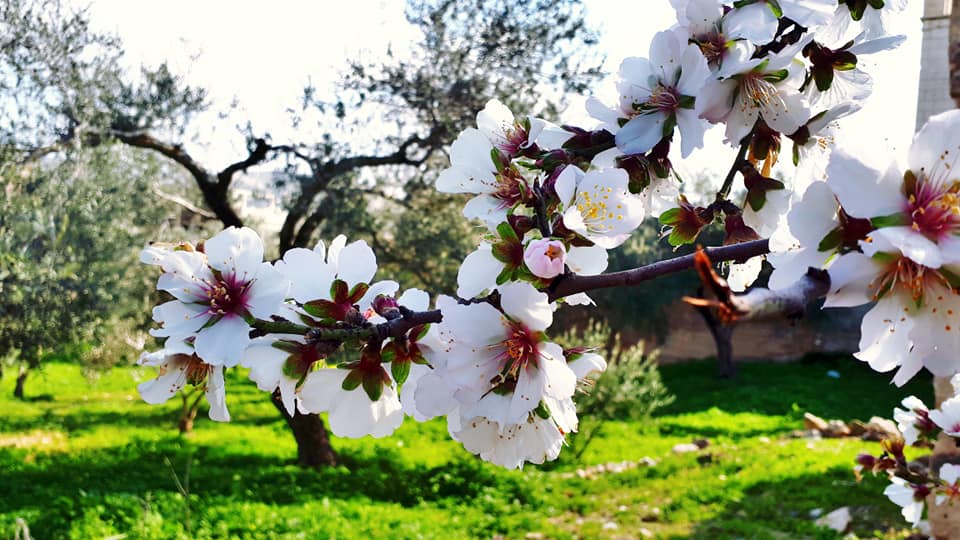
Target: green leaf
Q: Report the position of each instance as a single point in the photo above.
(893, 220)
(286, 346)
(671, 216)
(504, 276)
(423, 332)
(687, 102)
(507, 233)
(776, 76)
(400, 370)
(952, 278)
(774, 6)
(669, 125)
(352, 380)
(497, 160)
(418, 358)
(357, 292)
(823, 76)
(324, 309)
(373, 386)
(339, 290)
(389, 353)
(831, 241)
(542, 411)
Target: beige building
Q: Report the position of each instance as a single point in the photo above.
(934, 92)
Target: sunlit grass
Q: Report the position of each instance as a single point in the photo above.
(84, 458)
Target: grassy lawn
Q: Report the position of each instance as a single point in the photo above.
(84, 458)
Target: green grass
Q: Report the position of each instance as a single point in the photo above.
(84, 458)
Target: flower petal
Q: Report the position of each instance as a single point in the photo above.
(223, 343)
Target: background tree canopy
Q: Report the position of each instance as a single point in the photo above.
(365, 167)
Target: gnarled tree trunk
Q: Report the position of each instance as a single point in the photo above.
(313, 441)
(21, 380)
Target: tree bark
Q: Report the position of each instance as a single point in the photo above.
(722, 338)
(313, 441)
(21, 380)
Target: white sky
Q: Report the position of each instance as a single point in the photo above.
(261, 55)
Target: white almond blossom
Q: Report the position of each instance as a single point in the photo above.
(813, 143)
(498, 185)
(280, 361)
(798, 240)
(758, 21)
(473, 170)
(914, 323)
(703, 23)
(849, 84)
(534, 440)
(908, 419)
(312, 272)
(657, 94)
(905, 495)
(215, 292)
(873, 22)
(950, 474)
(511, 137)
(499, 353)
(947, 416)
(747, 88)
(351, 413)
(179, 366)
(598, 206)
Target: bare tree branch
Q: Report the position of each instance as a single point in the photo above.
(572, 284)
(213, 187)
(760, 302)
(178, 200)
(298, 227)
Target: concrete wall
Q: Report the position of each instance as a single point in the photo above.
(934, 91)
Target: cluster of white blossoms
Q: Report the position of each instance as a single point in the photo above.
(319, 332)
(911, 487)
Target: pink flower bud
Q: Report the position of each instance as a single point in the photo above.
(386, 306)
(545, 257)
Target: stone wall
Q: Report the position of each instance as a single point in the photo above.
(831, 331)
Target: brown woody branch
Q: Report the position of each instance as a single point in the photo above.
(213, 187)
(324, 173)
(572, 284)
(757, 303)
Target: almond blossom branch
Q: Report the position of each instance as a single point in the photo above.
(735, 167)
(573, 284)
(394, 328)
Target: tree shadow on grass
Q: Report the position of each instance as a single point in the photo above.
(828, 386)
(144, 467)
(782, 509)
(84, 419)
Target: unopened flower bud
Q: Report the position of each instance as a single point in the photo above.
(736, 231)
(386, 306)
(521, 224)
(545, 257)
(867, 461)
(893, 446)
(553, 159)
